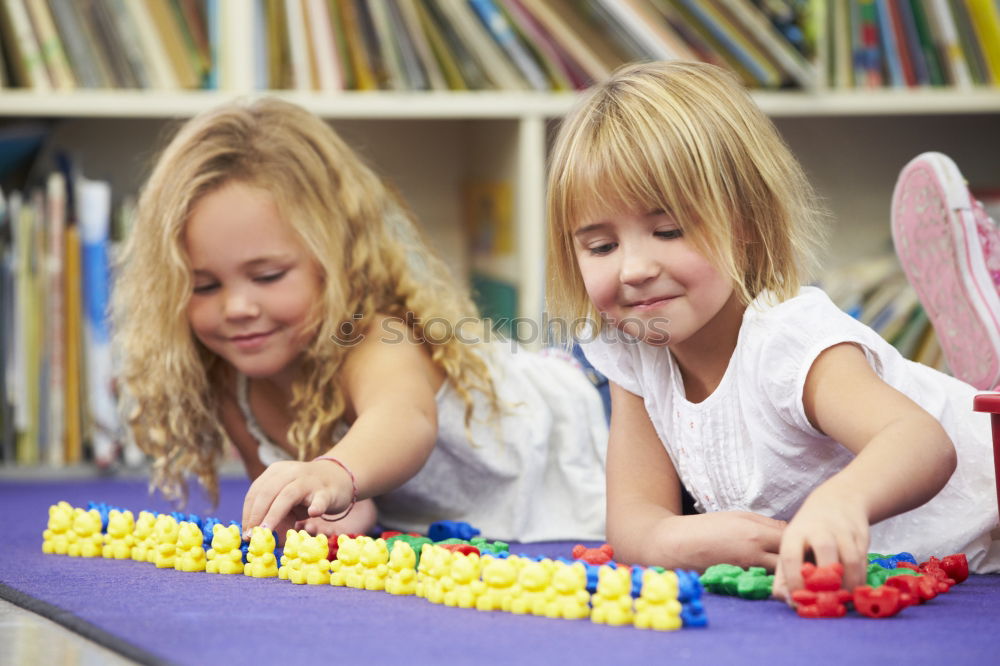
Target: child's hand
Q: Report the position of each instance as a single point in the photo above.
(736, 537)
(289, 491)
(834, 527)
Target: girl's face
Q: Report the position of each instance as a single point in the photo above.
(254, 285)
(641, 273)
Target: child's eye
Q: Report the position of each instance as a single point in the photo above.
(206, 288)
(669, 233)
(271, 277)
(604, 248)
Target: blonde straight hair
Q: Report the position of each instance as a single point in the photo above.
(686, 138)
(370, 254)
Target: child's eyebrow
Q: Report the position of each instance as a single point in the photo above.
(252, 263)
(590, 227)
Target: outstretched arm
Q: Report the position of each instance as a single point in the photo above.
(903, 458)
(390, 383)
(645, 524)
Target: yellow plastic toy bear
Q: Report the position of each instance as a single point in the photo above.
(461, 584)
(142, 536)
(261, 562)
(86, 540)
(402, 576)
(532, 592)
(190, 551)
(55, 539)
(290, 554)
(348, 565)
(375, 558)
(612, 603)
(434, 563)
(314, 568)
(657, 606)
(118, 540)
(165, 530)
(568, 597)
(224, 557)
(499, 579)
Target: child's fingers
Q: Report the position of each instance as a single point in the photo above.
(790, 561)
(321, 501)
(854, 556)
(289, 496)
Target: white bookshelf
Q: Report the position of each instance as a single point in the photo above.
(851, 143)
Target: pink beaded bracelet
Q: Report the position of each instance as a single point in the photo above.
(354, 489)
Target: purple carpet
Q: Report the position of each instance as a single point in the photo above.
(153, 615)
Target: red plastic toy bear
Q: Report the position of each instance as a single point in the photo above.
(602, 555)
(882, 601)
(823, 596)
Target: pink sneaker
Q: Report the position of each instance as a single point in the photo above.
(950, 251)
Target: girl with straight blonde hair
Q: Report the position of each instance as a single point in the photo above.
(681, 228)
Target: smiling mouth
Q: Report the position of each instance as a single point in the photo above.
(250, 339)
(650, 302)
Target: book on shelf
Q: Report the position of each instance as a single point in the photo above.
(327, 58)
(53, 53)
(504, 34)
(23, 50)
(562, 72)
(490, 229)
(7, 443)
(423, 51)
(55, 321)
(489, 57)
(388, 44)
(758, 28)
(946, 37)
(414, 65)
(985, 17)
(969, 42)
(93, 199)
(159, 66)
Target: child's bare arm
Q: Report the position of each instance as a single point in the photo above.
(645, 524)
(391, 384)
(903, 458)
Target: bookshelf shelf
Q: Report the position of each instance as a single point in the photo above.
(473, 105)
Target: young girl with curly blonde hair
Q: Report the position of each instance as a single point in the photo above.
(274, 294)
(681, 221)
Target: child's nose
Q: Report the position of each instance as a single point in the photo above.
(637, 266)
(239, 305)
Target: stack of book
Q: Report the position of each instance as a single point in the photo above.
(57, 402)
(333, 45)
(912, 43)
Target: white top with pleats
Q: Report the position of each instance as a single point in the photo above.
(750, 447)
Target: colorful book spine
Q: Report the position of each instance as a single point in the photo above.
(94, 211)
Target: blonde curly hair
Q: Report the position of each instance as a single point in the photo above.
(684, 137)
(354, 228)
